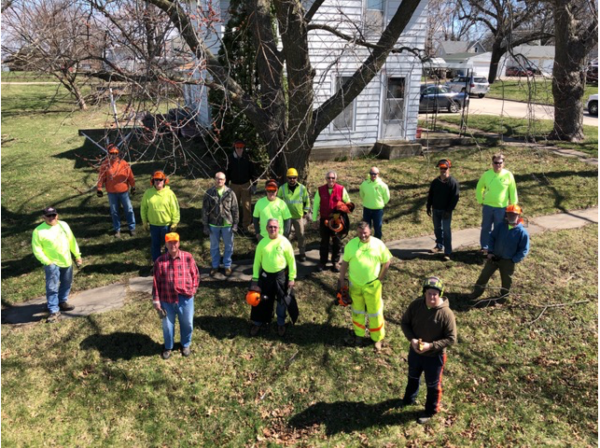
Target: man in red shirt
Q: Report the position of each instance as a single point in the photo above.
(117, 177)
(176, 280)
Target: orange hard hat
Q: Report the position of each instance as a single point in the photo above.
(514, 208)
(253, 298)
(159, 175)
(112, 149)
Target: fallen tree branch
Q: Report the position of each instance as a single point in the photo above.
(554, 305)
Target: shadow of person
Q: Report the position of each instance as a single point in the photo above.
(226, 327)
(121, 345)
(349, 416)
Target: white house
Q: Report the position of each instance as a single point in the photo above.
(448, 47)
(463, 63)
(387, 109)
(539, 57)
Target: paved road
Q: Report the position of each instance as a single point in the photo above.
(515, 109)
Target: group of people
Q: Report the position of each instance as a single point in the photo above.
(428, 323)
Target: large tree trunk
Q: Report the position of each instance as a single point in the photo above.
(497, 53)
(568, 82)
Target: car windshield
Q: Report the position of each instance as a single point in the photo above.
(480, 80)
(461, 79)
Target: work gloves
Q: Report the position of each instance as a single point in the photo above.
(132, 191)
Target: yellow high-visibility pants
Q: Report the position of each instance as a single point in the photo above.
(367, 302)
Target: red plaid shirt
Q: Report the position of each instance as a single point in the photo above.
(174, 277)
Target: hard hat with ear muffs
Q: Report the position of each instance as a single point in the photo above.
(253, 296)
(434, 283)
(159, 175)
(444, 163)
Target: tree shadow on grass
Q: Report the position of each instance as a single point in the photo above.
(349, 416)
(302, 334)
(121, 345)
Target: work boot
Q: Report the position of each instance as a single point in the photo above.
(446, 257)
(321, 267)
(254, 329)
(378, 346)
(118, 234)
(281, 330)
(213, 272)
(302, 257)
(166, 354)
(185, 351)
(228, 272)
(53, 318)
(132, 232)
(425, 418)
(65, 306)
(436, 250)
(336, 267)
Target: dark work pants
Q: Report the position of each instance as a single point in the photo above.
(336, 244)
(507, 269)
(273, 287)
(432, 366)
(375, 220)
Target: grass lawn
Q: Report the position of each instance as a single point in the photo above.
(537, 91)
(99, 381)
(522, 128)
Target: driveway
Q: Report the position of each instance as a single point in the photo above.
(515, 109)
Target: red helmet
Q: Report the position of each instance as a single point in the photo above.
(514, 208)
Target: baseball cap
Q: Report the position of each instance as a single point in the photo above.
(173, 236)
(49, 211)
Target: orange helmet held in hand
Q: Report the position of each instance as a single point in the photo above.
(343, 296)
(253, 298)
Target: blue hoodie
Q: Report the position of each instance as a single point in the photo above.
(510, 244)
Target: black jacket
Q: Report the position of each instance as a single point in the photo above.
(443, 195)
(240, 169)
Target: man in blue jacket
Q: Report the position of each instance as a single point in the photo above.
(509, 244)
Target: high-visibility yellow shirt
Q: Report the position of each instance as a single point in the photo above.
(273, 256)
(160, 207)
(265, 210)
(54, 244)
(497, 189)
(375, 195)
(297, 201)
(365, 259)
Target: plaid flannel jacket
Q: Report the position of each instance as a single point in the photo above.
(174, 277)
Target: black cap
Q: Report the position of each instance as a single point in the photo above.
(49, 211)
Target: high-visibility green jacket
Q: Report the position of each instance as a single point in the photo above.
(375, 195)
(54, 244)
(497, 189)
(273, 256)
(365, 259)
(160, 207)
(298, 201)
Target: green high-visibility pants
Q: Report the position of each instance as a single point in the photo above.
(367, 302)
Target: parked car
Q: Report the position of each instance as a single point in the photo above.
(438, 97)
(592, 104)
(591, 74)
(473, 85)
(518, 71)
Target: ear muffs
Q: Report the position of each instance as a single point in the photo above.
(163, 177)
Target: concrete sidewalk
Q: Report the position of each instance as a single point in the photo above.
(107, 298)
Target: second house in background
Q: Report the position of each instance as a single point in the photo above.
(220, 217)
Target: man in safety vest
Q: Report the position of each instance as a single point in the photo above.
(375, 195)
(495, 190)
(274, 271)
(271, 207)
(326, 199)
(367, 260)
(295, 195)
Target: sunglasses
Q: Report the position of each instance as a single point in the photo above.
(373, 174)
(498, 163)
(443, 169)
(292, 178)
(328, 178)
(158, 180)
(272, 227)
(50, 216)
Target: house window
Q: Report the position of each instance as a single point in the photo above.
(374, 18)
(345, 120)
(395, 99)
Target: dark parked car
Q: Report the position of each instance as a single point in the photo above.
(437, 97)
(591, 74)
(518, 71)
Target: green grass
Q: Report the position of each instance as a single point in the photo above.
(522, 128)
(99, 381)
(523, 90)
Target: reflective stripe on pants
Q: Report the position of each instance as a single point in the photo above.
(367, 301)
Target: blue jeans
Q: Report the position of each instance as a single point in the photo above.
(184, 309)
(157, 235)
(116, 199)
(490, 216)
(215, 237)
(375, 220)
(441, 228)
(433, 367)
(58, 285)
